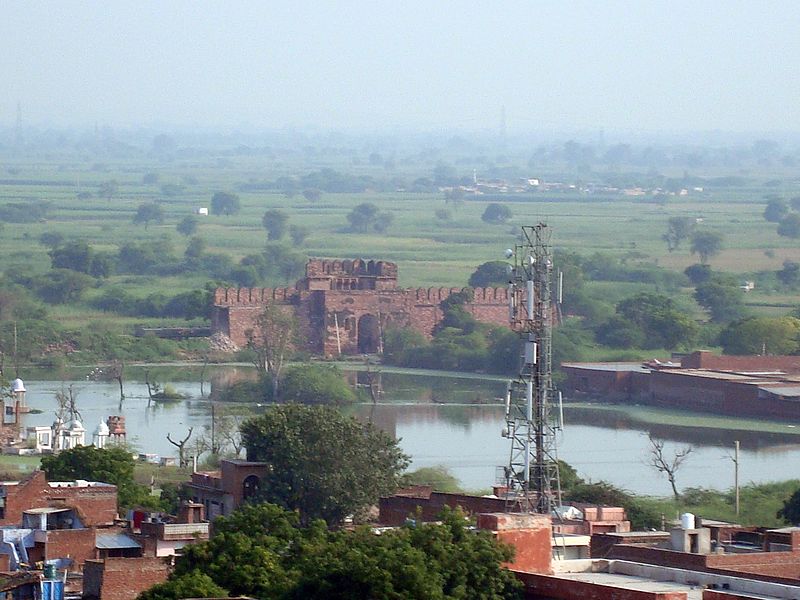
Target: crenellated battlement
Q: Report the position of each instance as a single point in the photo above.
(436, 295)
(343, 306)
(251, 296)
(322, 267)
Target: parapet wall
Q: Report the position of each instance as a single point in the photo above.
(251, 296)
(321, 267)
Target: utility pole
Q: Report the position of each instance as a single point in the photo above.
(531, 476)
(736, 475)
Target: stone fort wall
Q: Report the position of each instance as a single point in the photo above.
(343, 307)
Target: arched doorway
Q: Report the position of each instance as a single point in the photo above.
(369, 335)
(250, 487)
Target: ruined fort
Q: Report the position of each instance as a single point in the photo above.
(344, 306)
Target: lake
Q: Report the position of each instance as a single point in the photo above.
(456, 422)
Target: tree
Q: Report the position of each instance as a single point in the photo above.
(183, 460)
(660, 322)
(496, 214)
(667, 465)
(789, 275)
(189, 585)
(275, 221)
(108, 189)
(366, 217)
(262, 551)
(790, 512)
(698, 273)
(51, 239)
(762, 335)
(187, 226)
(490, 274)
(320, 462)
(439, 478)
(113, 465)
(76, 256)
(312, 194)
(790, 226)
(147, 212)
(776, 210)
(224, 203)
(298, 233)
(272, 340)
(722, 299)
(316, 384)
(706, 244)
(61, 286)
(678, 229)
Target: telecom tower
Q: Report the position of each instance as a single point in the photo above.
(532, 472)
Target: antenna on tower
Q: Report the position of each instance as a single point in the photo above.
(531, 476)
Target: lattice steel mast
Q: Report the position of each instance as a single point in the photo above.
(532, 472)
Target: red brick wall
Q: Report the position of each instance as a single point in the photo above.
(779, 567)
(77, 544)
(545, 586)
(706, 360)
(122, 578)
(394, 510)
(531, 536)
(234, 474)
(96, 505)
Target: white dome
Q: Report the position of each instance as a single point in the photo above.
(102, 430)
(17, 385)
(76, 425)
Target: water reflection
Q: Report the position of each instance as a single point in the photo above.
(455, 422)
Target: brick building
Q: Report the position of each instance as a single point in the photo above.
(344, 306)
(751, 386)
(221, 492)
(97, 502)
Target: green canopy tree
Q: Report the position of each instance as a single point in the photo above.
(225, 203)
(147, 213)
(706, 244)
(496, 214)
(773, 335)
(790, 512)
(110, 465)
(262, 551)
(322, 463)
(490, 274)
(678, 229)
(276, 222)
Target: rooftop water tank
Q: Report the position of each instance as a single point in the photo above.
(687, 521)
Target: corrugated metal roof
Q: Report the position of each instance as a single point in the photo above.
(110, 541)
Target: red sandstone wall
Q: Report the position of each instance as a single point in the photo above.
(236, 310)
(96, 505)
(532, 542)
(122, 578)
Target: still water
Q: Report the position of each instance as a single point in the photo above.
(454, 422)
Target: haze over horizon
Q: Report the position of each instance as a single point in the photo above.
(380, 66)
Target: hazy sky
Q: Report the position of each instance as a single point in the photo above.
(429, 64)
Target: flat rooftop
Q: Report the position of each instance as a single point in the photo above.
(630, 582)
(636, 367)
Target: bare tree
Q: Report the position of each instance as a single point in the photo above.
(272, 340)
(665, 464)
(181, 446)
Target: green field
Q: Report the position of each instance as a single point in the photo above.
(429, 251)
